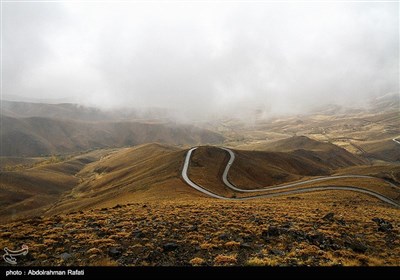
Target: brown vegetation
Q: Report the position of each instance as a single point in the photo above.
(331, 228)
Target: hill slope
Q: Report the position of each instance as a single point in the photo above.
(95, 179)
(43, 136)
(151, 172)
(71, 111)
(28, 191)
(256, 169)
(284, 231)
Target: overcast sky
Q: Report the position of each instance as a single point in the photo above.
(201, 58)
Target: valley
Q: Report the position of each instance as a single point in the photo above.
(275, 192)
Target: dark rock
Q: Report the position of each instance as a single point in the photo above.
(224, 236)
(248, 238)
(93, 225)
(341, 222)
(256, 220)
(287, 225)
(317, 239)
(116, 206)
(298, 235)
(245, 246)
(168, 247)
(322, 241)
(277, 252)
(101, 233)
(138, 234)
(383, 225)
(144, 206)
(328, 217)
(335, 247)
(65, 256)
(153, 256)
(356, 245)
(390, 239)
(273, 231)
(193, 228)
(114, 251)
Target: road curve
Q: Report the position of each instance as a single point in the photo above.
(394, 139)
(190, 182)
(304, 190)
(320, 179)
(328, 188)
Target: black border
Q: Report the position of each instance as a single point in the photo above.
(185, 272)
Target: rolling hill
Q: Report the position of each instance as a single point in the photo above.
(43, 136)
(71, 111)
(283, 161)
(27, 191)
(386, 150)
(88, 207)
(149, 172)
(94, 179)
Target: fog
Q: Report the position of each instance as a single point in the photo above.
(201, 60)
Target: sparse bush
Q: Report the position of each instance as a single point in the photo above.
(104, 262)
(93, 251)
(197, 261)
(232, 244)
(255, 262)
(225, 259)
(207, 246)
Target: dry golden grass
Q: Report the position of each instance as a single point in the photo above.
(372, 131)
(279, 231)
(151, 172)
(31, 189)
(197, 261)
(225, 260)
(206, 167)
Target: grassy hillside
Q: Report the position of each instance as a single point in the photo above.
(328, 228)
(292, 159)
(44, 136)
(386, 150)
(152, 172)
(149, 172)
(28, 191)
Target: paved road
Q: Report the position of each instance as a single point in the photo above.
(394, 139)
(303, 190)
(190, 182)
(320, 179)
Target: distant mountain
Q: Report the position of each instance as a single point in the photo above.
(386, 102)
(302, 146)
(43, 136)
(59, 111)
(70, 111)
(298, 142)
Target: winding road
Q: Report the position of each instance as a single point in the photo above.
(394, 139)
(303, 190)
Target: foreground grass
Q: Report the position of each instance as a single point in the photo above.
(287, 231)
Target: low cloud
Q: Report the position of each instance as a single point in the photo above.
(201, 59)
